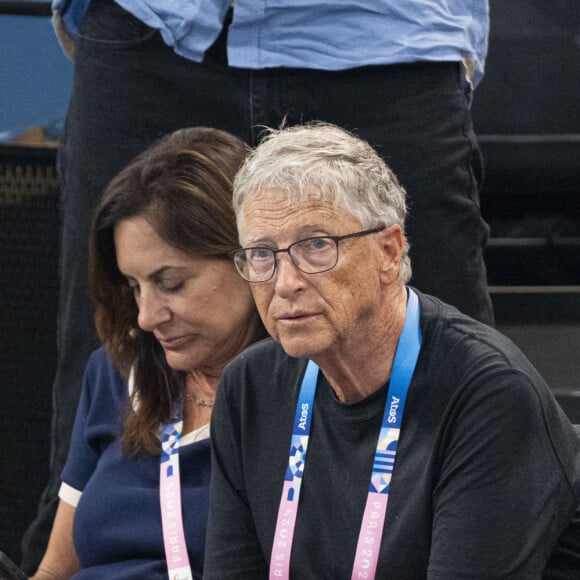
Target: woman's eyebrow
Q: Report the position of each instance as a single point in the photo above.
(166, 269)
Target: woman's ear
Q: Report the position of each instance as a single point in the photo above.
(391, 244)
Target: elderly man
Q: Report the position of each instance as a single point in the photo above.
(371, 396)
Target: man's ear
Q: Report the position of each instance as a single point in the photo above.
(391, 244)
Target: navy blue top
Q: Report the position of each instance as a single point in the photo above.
(117, 527)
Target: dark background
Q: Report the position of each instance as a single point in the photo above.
(527, 114)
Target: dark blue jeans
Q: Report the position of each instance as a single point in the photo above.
(130, 89)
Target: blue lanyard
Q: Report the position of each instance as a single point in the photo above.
(366, 557)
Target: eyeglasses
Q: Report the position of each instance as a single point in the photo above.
(311, 256)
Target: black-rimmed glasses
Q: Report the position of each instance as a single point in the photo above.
(311, 256)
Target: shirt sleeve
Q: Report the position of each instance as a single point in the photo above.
(503, 496)
(97, 420)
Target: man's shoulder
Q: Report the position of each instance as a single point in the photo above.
(461, 350)
(265, 350)
(443, 325)
(264, 362)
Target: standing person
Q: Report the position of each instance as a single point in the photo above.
(400, 73)
(373, 395)
(171, 312)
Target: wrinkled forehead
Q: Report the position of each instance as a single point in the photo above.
(291, 195)
(276, 215)
(264, 198)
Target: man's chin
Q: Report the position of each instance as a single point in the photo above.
(299, 347)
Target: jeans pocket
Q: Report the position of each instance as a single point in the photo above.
(107, 23)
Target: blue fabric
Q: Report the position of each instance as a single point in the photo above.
(321, 35)
(117, 528)
(35, 76)
(73, 12)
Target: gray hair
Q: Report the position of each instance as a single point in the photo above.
(323, 161)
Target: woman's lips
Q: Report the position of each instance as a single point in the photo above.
(174, 342)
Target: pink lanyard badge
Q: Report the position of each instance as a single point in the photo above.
(170, 498)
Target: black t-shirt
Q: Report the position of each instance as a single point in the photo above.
(486, 480)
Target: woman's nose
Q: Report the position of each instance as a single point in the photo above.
(153, 310)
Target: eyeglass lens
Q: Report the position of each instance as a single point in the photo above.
(312, 255)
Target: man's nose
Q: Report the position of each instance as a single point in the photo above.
(287, 277)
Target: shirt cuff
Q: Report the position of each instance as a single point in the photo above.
(69, 494)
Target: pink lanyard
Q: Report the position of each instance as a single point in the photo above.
(371, 531)
(170, 498)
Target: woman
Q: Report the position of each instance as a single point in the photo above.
(171, 312)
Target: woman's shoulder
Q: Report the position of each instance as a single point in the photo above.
(101, 375)
(99, 357)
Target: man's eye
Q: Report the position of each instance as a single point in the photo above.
(260, 254)
(317, 244)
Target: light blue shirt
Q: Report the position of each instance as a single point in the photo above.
(334, 35)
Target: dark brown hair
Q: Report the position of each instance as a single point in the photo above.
(182, 185)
